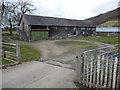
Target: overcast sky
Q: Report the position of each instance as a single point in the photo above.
(73, 9)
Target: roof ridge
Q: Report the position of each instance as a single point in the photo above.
(45, 20)
(53, 17)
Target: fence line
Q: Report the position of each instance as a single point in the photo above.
(100, 70)
(10, 52)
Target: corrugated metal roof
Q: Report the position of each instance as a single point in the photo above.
(108, 29)
(53, 21)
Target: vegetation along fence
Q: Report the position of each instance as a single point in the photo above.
(99, 68)
(10, 52)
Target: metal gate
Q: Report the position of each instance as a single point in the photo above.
(99, 68)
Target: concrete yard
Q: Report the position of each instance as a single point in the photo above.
(37, 75)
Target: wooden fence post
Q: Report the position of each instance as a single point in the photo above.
(114, 72)
(98, 70)
(81, 67)
(91, 69)
(18, 53)
(87, 69)
(110, 71)
(94, 74)
(4, 56)
(78, 68)
(102, 69)
(84, 68)
(118, 83)
(106, 71)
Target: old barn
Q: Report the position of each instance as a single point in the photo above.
(34, 27)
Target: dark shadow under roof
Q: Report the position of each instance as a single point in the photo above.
(53, 21)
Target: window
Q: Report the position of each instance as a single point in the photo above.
(88, 28)
(93, 28)
(82, 28)
(55, 27)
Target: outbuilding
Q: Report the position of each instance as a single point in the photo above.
(34, 27)
(108, 31)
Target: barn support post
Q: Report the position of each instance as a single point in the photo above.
(29, 33)
(47, 27)
(95, 34)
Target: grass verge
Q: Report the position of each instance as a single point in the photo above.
(29, 54)
(5, 62)
(75, 45)
(109, 40)
(8, 32)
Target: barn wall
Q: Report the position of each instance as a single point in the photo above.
(71, 30)
(39, 35)
(25, 26)
(24, 33)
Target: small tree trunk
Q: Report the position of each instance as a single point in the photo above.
(10, 26)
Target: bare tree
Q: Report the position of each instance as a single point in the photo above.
(2, 7)
(20, 8)
(14, 12)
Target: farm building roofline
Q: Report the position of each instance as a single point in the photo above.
(54, 21)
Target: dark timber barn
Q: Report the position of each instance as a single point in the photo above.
(40, 28)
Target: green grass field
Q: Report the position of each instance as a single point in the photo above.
(27, 54)
(77, 45)
(109, 40)
(111, 23)
(14, 32)
(5, 62)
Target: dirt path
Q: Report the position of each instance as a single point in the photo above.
(49, 48)
(59, 55)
